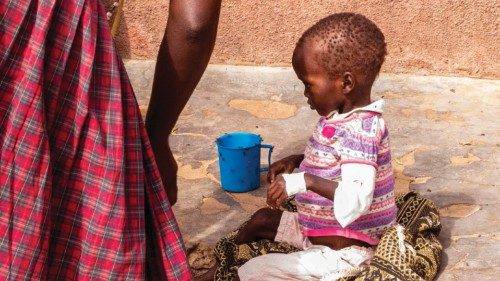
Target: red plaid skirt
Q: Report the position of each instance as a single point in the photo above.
(80, 193)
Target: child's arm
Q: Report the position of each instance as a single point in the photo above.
(352, 196)
(285, 165)
(321, 186)
(277, 192)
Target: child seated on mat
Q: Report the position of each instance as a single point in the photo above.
(344, 189)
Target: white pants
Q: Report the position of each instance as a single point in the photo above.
(315, 262)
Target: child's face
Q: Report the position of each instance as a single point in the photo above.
(323, 94)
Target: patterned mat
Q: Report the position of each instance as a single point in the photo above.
(410, 251)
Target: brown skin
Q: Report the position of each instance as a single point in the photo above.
(285, 165)
(325, 95)
(343, 94)
(184, 53)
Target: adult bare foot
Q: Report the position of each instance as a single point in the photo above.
(167, 166)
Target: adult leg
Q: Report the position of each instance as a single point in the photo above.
(183, 56)
(79, 192)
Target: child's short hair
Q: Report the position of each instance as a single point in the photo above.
(351, 43)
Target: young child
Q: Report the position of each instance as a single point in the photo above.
(345, 188)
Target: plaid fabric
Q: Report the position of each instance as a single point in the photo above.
(80, 195)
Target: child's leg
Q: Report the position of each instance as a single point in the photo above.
(289, 231)
(262, 225)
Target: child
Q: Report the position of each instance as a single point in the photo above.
(345, 188)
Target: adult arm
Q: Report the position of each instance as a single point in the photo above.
(184, 53)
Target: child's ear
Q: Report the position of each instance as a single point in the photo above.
(347, 82)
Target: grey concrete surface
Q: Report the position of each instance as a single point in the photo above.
(445, 137)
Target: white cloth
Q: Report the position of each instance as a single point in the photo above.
(289, 231)
(294, 183)
(354, 194)
(316, 263)
(376, 106)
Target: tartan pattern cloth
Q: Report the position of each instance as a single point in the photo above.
(80, 194)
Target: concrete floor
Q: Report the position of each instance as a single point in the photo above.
(445, 136)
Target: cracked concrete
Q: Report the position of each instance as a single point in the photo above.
(445, 139)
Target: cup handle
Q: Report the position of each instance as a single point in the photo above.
(270, 147)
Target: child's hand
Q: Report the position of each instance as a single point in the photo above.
(285, 165)
(276, 194)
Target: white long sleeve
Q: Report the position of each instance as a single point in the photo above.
(354, 193)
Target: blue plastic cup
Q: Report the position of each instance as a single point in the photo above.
(239, 161)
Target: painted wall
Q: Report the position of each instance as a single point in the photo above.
(453, 37)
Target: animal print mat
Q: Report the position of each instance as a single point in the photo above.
(409, 251)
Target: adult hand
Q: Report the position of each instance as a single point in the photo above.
(285, 165)
(276, 193)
